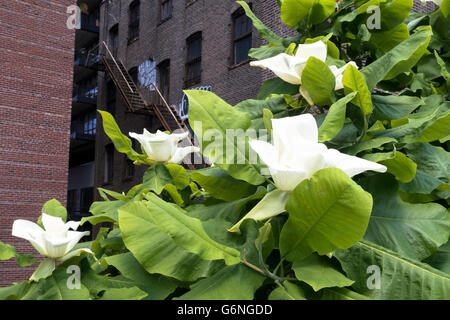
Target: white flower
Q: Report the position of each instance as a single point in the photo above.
(163, 147)
(296, 154)
(55, 241)
(290, 68)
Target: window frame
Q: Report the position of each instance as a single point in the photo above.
(114, 42)
(161, 6)
(234, 16)
(134, 24)
(188, 81)
(164, 65)
(108, 174)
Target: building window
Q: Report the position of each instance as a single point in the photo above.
(86, 199)
(166, 10)
(129, 169)
(90, 124)
(193, 60)
(114, 39)
(111, 93)
(242, 36)
(133, 26)
(109, 163)
(164, 78)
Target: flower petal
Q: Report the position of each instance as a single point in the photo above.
(265, 151)
(316, 49)
(53, 225)
(286, 179)
(351, 165)
(56, 246)
(32, 232)
(286, 67)
(181, 153)
(289, 130)
(143, 141)
(74, 237)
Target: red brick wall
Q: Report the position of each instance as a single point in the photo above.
(36, 63)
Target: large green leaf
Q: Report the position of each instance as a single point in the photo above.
(401, 278)
(188, 232)
(413, 47)
(294, 11)
(397, 163)
(121, 142)
(354, 81)
(276, 86)
(413, 230)
(230, 210)
(341, 294)
(156, 178)
(156, 286)
(374, 143)
(319, 81)
(14, 292)
(255, 108)
(156, 251)
(441, 258)
(53, 208)
(319, 273)
(335, 119)
(216, 116)
(236, 282)
(387, 40)
(394, 12)
(394, 107)
(103, 211)
(327, 212)
(220, 185)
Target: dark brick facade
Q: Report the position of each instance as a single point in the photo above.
(162, 41)
(36, 50)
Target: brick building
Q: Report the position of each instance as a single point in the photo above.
(36, 50)
(177, 44)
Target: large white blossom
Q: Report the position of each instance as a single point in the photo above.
(162, 147)
(296, 154)
(55, 241)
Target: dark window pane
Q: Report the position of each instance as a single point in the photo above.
(164, 78)
(166, 9)
(133, 26)
(241, 48)
(86, 199)
(109, 163)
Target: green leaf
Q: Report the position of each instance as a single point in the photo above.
(265, 32)
(401, 278)
(374, 143)
(353, 80)
(387, 40)
(44, 270)
(335, 119)
(217, 116)
(220, 185)
(394, 107)
(271, 205)
(156, 178)
(22, 260)
(319, 273)
(399, 59)
(156, 251)
(121, 142)
(394, 12)
(14, 292)
(256, 108)
(412, 230)
(327, 212)
(180, 176)
(441, 258)
(156, 286)
(53, 208)
(287, 291)
(103, 211)
(294, 11)
(397, 163)
(188, 232)
(230, 211)
(276, 86)
(319, 81)
(236, 282)
(133, 293)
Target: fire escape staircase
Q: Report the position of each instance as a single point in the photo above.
(167, 115)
